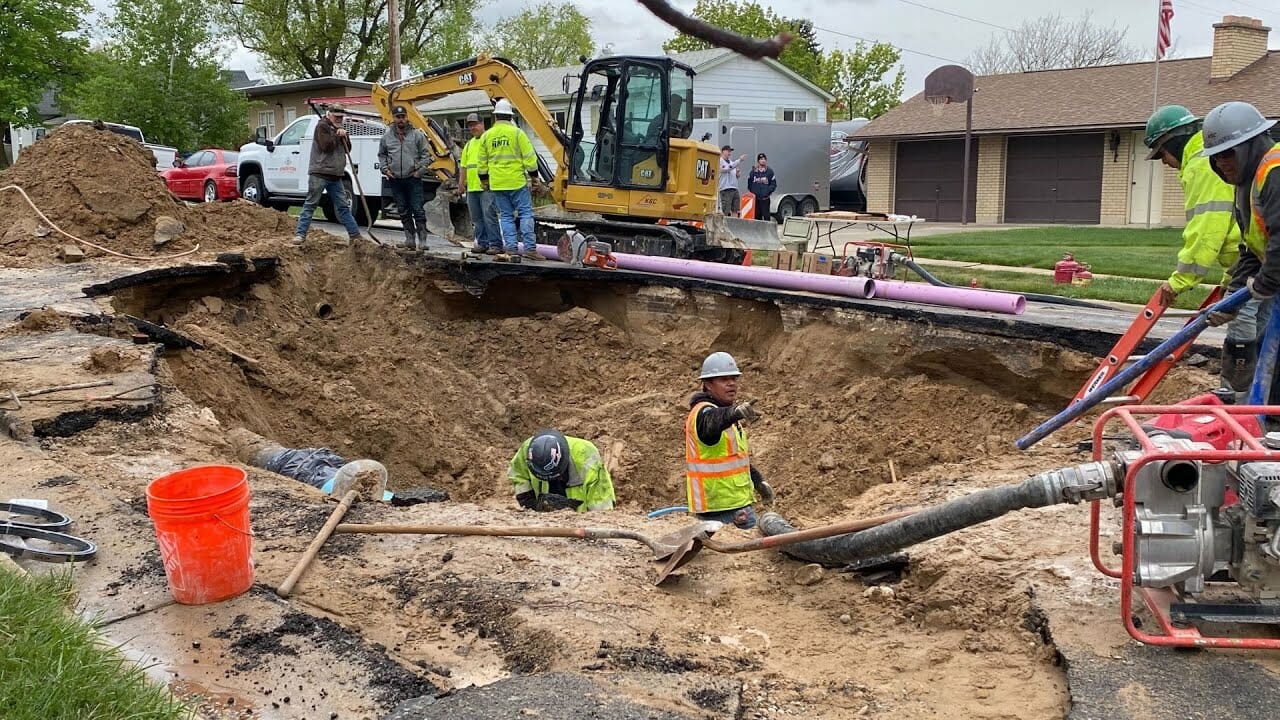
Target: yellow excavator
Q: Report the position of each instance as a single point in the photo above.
(626, 170)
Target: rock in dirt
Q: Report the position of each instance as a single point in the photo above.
(827, 462)
(810, 574)
(167, 228)
(213, 304)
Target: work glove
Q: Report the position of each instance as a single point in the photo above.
(745, 412)
(1166, 294)
(1220, 318)
(1255, 292)
(766, 492)
(551, 502)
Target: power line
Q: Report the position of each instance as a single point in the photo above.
(956, 15)
(903, 49)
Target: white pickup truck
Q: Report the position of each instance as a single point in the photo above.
(273, 171)
(164, 154)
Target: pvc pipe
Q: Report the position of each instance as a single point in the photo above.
(668, 511)
(1230, 304)
(953, 297)
(1038, 297)
(858, 287)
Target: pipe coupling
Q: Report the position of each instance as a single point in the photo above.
(1088, 481)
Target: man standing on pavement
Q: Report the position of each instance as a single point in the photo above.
(553, 472)
(762, 183)
(403, 155)
(484, 212)
(507, 166)
(324, 174)
(1210, 239)
(719, 477)
(728, 183)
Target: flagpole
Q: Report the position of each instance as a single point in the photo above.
(1155, 104)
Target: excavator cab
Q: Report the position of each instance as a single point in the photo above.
(625, 112)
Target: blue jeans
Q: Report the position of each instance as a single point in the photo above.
(484, 215)
(510, 203)
(317, 186)
(743, 517)
(408, 196)
(1251, 322)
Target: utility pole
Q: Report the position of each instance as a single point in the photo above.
(393, 42)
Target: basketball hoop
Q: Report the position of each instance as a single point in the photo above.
(937, 103)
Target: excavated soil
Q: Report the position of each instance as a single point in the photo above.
(103, 188)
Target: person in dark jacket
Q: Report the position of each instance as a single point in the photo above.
(403, 156)
(761, 183)
(324, 173)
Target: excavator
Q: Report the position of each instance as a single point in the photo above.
(625, 171)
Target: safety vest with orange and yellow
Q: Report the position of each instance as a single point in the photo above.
(1255, 236)
(717, 477)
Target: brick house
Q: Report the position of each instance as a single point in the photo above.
(1061, 146)
(275, 105)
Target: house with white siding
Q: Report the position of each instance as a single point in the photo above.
(726, 86)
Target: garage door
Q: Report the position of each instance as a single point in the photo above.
(930, 177)
(1053, 179)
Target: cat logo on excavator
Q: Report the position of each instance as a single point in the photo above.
(467, 78)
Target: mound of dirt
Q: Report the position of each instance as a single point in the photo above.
(103, 187)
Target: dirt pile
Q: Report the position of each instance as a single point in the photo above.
(103, 187)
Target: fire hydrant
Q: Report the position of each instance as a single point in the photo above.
(1064, 271)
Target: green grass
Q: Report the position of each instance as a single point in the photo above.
(1134, 291)
(53, 665)
(1127, 252)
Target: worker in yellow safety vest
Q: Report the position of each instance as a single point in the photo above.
(480, 204)
(1241, 152)
(506, 157)
(1211, 238)
(551, 471)
(719, 477)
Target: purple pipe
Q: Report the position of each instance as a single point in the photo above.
(996, 302)
(858, 287)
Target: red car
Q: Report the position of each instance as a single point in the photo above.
(207, 175)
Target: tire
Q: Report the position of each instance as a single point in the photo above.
(808, 205)
(210, 191)
(254, 190)
(786, 209)
(357, 207)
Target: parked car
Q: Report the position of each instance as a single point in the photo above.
(207, 175)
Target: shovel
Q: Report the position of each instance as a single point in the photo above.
(677, 548)
(824, 531)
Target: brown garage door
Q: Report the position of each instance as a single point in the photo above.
(1053, 179)
(930, 174)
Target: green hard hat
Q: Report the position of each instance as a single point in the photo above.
(1168, 122)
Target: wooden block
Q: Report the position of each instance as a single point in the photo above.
(71, 253)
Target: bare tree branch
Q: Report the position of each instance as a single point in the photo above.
(1052, 42)
(718, 37)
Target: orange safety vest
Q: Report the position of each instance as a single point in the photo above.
(1269, 162)
(717, 477)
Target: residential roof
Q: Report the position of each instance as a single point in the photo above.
(311, 84)
(1112, 96)
(239, 79)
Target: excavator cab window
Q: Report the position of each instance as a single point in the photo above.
(631, 106)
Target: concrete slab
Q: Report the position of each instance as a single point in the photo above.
(60, 287)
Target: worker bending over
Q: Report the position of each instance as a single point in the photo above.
(552, 472)
(1211, 239)
(719, 477)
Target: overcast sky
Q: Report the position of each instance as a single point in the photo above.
(927, 37)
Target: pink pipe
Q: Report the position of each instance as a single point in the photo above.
(1007, 303)
(858, 287)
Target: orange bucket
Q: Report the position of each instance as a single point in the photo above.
(201, 516)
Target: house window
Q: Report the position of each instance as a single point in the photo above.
(267, 118)
(562, 118)
(792, 115)
(706, 112)
(290, 114)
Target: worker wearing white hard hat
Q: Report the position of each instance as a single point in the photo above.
(507, 164)
(719, 477)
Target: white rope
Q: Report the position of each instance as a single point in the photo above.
(89, 244)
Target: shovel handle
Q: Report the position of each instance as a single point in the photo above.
(286, 588)
(497, 530)
(825, 531)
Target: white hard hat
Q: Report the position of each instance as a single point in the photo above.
(1231, 124)
(502, 107)
(719, 364)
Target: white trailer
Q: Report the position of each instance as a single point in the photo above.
(799, 153)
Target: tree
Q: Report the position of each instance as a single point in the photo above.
(1051, 42)
(347, 38)
(545, 35)
(857, 79)
(749, 18)
(161, 69)
(39, 46)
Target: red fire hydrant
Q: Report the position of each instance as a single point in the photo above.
(1065, 269)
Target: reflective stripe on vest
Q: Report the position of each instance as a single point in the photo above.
(715, 475)
(1269, 162)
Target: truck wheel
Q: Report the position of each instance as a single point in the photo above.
(786, 209)
(254, 191)
(808, 205)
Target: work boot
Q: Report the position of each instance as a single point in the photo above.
(1238, 362)
(410, 239)
(532, 255)
(492, 251)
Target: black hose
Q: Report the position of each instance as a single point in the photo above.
(1038, 297)
(927, 524)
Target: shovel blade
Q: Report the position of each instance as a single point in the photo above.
(741, 233)
(682, 555)
(670, 544)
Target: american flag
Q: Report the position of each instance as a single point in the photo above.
(1163, 35)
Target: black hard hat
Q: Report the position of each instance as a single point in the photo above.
(399, 110)
(548, 455)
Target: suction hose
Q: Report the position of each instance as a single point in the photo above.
(1090, 481)
(1038, 297)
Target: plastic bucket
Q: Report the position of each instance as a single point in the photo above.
(201, 516)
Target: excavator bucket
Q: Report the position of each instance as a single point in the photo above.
(448, 219)
(742, 234)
